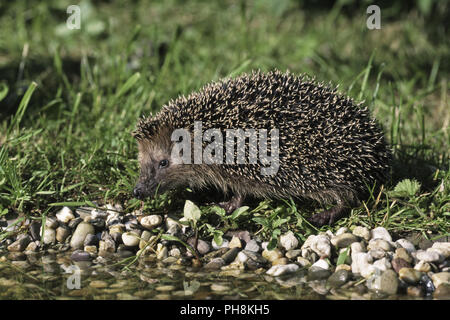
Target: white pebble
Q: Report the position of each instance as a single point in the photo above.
(429, 256)
(322, 246)
(130, 239)
(65, 215)
(341, 230)
(443, 248)
(151, 221)
(406, 245)
(49, 236)
(289, 241)
(278, 269)
(321, 263)
(380, 233)
(382, 264)
(361, 263)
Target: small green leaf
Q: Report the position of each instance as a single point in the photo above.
(191, 211)
(272, 244)
(236, 213)
(218, 239)
(219, 211)
(342, 257)
(405, 188)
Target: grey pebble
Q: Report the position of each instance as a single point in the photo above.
(338, 278)
(253, 246)
(80, 255)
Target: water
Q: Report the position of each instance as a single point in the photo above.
(55, 276)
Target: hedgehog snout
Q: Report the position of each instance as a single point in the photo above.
(138, 191)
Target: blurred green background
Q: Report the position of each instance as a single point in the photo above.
(70, 98)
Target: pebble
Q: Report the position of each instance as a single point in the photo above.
(340, 231)
(428, 256)
(80, 233)
(318, 273)
(279, 261)
(254, 261)
(272, 255)
(321, 245)
(443, 248)
(414, 291)
(399, 263)
(442, 292)
(151, 221)
(343, 240)
(91, 249)
(288, 240)
(106, 247)
(224, 244)
(165, 288)
(161, 251)
(75, 222)
(361, 263)
(423, 266)
(235, 243)
(49, 236)
(377, 254)
(441, 278)
(293, 253)
(385, 282)
(303, 262)
(230, 255)
(362, 232)
(382, 264)
(20, 244)
(338, 278)
(219, 287)
(175, 252)
(406, 244)
(343, 267)
(203, 247)
(98, 223)
(80, 255)
(215, 264)
(321, 263)
(51, 222)
(242, 257)
(379, 244)
(356, 247)
(130, 239)
(279, 270)
(32, 247)
(380, 233)
(402, 253)
(98, 284)
(65, 215)
(62, 233)
(35, 228)
(410, 275)
(145, 239)
(253, 246)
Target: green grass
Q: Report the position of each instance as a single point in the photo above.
(70, 98)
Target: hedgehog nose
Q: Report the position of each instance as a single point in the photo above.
(137, 192)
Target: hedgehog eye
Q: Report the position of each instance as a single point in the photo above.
(163, 163)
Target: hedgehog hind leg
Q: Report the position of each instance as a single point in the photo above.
(231, 205)
(330, 216)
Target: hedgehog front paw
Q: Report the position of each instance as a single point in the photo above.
(328, 217)
(233, 204)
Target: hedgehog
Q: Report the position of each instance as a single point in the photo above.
(326, 147)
